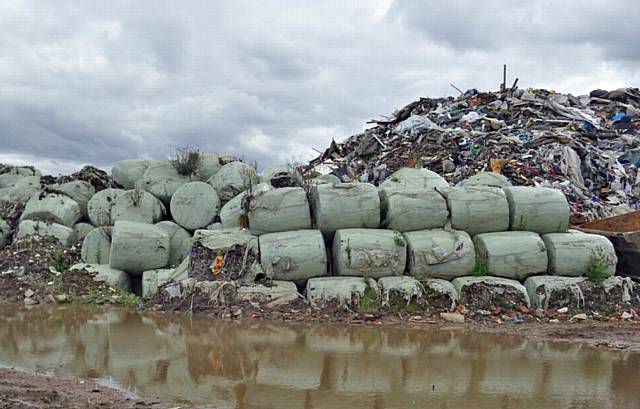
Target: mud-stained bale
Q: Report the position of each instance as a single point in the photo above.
(80, 230)
(152, 279)
(137, 247)
(439, 254)
(104, 273)
(278, 293)
(63, 233)
(486, 179)
(576, 254)
(210, 163)
(5, 231)
(127, 172)
(486, 293)
(78, 190)
(409, 209)
(478, 209)
(440, 293)
(537, 209)
(339, 291)
(137, 206)
(162, 179)
(514, 254)
(404, 291)
(195, 205)
(100, 205)
(22, 191)
(369, 252)
(278, 210)
(281, 175)
(415, 178)
(294, 255)
(53, 207)
(232, 213)
(233, 179)
(345, 206)
(179, 239)
(96, 246)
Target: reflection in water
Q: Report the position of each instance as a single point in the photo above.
(269, 365)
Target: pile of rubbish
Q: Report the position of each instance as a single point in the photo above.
(587, 146)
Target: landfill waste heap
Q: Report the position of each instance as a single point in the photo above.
(587, 146)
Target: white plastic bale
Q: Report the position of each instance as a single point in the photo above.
(278, 210)
(369, 252)
(96, 246)
(152, 279)
(439, 254)
(328, 178)
(276, 294)
(137, 247)
(281, 175)
(78, 190)
(233, 215)
(100, 205)
(409, 209)
(415, 178)
(195, 205)
(233, 179)
(461, 284)
(137, 206)
(294, 255)
(210, 163)
(62, 233)
(53, 207)
(106, 274)
(486, 179)
(344, 291)
(127, 172)
(575, 254)
(542, 289)
(478, 209)
(9, 179)
(162, 179)
(538, 209)
(414, 291)
(180, 241)
(80, 230)
(516, 254)
(22, 191)
(345, 205)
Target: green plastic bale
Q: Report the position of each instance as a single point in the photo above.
(343, 291)
(414, 291)
(211, 163)
(53, 207)
(96, 246)
(516, 254)
(22, 191)
(328, 178)
(409, 209)
(137, 206)
(61, 232)
(180, 241)
(278, 210)
(127, 172)
(100, 205)
(195, 205)
(369, 252)
(486, 179)
(415, 178)
(233, 179)
(281, 175)
(577, 254)
(9, 179)
(538, 209)
(152, 279)
(80, 230)
(162, 179)
(78, 190)
(439, 254)
(478, 209)
(104, 273)
(294, 255)
(5, 231)
(498, 284)
(232, 215)
(137, 247)
(344, 206)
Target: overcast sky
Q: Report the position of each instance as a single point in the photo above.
(99, 81)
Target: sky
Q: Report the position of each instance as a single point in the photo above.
(94, 82)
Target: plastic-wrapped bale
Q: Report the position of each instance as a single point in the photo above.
(576, 254)
(339, 291)
(281, 175)
(233, 215)
(5, 231)
(408, 209)
(180, 241)
(514, 254)
(277, 294)
(404, 291)
(293, 255)
(210, 163)
(440, 254)
(15, 174)
(137, 247)
(100, 205)
(162, 179)
(96, 246)
(538, 209)
(9, 179)
(278, 210)
(127, 172)
(233, 179)
(415, 178)
(478, 209)
(106, 274)
(486, 293)
(195, 205)
(225, 255)
(369, 252)
(344, 206)
(80, 230)
(22, 191)
(53, 207)
(329, 178)
(78, 190)
(22, 171)
(486, 179)
(61, 232)
(152, 279)
(215, 226)
(137, 206)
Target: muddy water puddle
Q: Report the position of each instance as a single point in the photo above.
(269, 365)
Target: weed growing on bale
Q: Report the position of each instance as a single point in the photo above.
(480, 269)
(597, 271)
(119, 297)
(370, 299)
(59, 262)
(186, 160)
